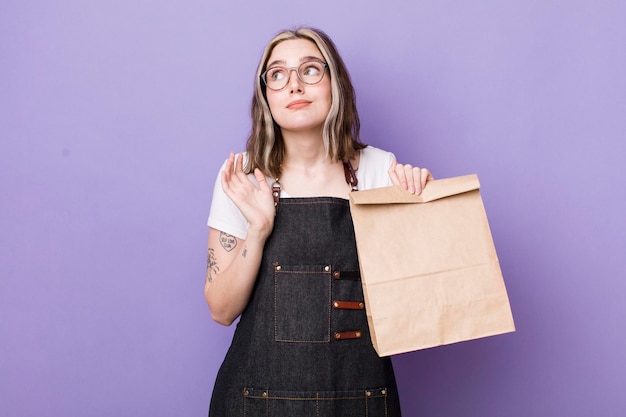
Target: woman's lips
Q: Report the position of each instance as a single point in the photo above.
(298, 104)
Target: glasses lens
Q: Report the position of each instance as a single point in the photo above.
(311, 72)
(276, 78)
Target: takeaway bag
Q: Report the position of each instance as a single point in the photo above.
(429, 267)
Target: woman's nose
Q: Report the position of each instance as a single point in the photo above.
(295, 83)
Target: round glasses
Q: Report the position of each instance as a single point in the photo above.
(310, 72)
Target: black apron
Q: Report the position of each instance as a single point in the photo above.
(302, 346)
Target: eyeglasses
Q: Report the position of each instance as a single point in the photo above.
(310, 72)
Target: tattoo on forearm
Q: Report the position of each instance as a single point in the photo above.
(227, 241)
(244, 252)
(211, 265)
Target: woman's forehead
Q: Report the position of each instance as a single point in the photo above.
(294, 51)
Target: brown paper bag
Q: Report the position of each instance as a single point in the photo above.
(429, 267)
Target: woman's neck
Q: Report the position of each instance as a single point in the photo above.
(304, 151)
(307, 171)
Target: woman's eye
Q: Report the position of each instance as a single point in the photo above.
(276, 74)
(311, 70)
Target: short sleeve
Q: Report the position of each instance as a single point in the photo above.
(373, 168)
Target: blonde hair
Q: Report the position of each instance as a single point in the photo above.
(265, 146)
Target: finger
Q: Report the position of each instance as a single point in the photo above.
(401, 176)
(241, 176)
(417, 180)
(226, 182)
(392, 173)
(410, 180)
(425, 177)
(228, 168)
(230, 182)
(228, 165)
(234, 180)
(260, 178)
(239, 163)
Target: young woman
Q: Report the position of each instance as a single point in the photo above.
(282, 253)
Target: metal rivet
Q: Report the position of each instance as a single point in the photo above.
(327, 268)
(246, 392)
(337, 335)
(358, 334)
(383, 392)
(368, 393)
(336, 304)
(278, 267)
(361, 305)
(264, 394)
(336, 274)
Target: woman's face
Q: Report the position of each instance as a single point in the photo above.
(298, 107)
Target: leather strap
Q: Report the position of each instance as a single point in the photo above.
(350, 275)
(350, 334)
(350, 175)
(276, 192)
(349, 305)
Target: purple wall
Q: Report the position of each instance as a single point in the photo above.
(114, 118)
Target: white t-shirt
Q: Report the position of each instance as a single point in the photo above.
(226, 217)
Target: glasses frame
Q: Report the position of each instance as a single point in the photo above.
(297, 70)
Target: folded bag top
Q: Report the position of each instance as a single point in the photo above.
(434, 190)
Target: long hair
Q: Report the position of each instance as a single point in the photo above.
(265, 146)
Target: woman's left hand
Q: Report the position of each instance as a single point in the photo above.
(408, 177)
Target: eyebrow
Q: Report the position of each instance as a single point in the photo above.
(303, 59)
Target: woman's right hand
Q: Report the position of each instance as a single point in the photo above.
(255, 203)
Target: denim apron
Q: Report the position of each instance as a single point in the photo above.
(302, 346)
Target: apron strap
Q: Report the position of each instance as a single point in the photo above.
(276, 192)
(350, 175)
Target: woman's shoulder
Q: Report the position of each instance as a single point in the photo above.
(374, 164)
(371, 154)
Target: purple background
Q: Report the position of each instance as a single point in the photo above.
(115, 116)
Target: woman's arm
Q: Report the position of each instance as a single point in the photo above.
(233, 263)
(232, 267)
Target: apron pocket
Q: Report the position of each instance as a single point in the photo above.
(302, 302)
(357, 403)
